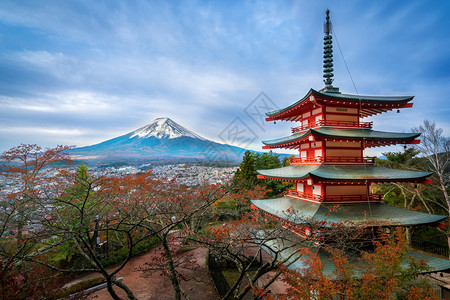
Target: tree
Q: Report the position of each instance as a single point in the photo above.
(377, 275)
(26, 176)
(240, 244)
(134, 209)
(407, 195)
(245, 176)
(414, 196)
(436, 148)
(75, 211)
(177, 208)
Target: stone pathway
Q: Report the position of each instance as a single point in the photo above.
(157, 285)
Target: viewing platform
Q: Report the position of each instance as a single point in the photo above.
(335, 198)
(347, 124)
(333, 159)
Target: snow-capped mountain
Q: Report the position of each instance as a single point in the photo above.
(161, 139)
(164, 128)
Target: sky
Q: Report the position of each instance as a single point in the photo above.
(81, 72)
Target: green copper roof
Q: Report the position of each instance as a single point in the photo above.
(290, 246)
(357, 134)
(346, 97)
(344, 172)
(374, 214)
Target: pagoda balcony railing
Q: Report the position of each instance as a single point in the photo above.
(336, 198)
(298, 194)
(366, 125)
(334, 159)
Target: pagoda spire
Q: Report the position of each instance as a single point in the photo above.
(328, 56)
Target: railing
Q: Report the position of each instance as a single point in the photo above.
(334, 159)
(298, 194)
(367, 125)
(220, 282)
(336, 198)
(302, 160)
(431, 247)
(351, 198)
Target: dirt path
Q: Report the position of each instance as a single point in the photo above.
(157, 286)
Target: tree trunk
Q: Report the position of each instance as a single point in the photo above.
(111, 291)
(408, 236)
(171, 268)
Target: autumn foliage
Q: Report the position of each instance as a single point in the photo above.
(374, 275)
(71, 221)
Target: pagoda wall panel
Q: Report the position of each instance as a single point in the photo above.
(345, 190)
(316, 144)
(343, 152)
(340, 110)
(304, 146)
(307, 189)
(342, 117)
(343, 144)
(317, 111)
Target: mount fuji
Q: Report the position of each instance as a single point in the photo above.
(163, 139)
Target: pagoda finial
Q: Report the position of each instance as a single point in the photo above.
(328, 52)
(328, 55)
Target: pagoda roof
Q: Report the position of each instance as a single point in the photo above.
(376, 137)
(290, 248)
(298, 212)
(344, 173)
(370, 105)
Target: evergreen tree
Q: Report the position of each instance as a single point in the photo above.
(245, 176)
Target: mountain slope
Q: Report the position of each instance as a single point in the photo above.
(161, 139)
(164, 128)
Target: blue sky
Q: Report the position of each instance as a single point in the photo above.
(80, 72)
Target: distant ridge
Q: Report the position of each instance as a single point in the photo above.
(162, 139)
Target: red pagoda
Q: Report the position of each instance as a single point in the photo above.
(332, 178)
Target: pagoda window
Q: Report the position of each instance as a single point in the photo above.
(318, 153)
(300, 187)
(318, 119)
(306, 115)
(305, 123)
(317, 190)
(303, 154)
(304, 146)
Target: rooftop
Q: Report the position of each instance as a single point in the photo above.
(352, 134)
(367, 214)
(344, 172)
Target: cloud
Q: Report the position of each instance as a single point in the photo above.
(95, 70)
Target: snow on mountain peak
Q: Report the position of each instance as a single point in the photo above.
(164, 128)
